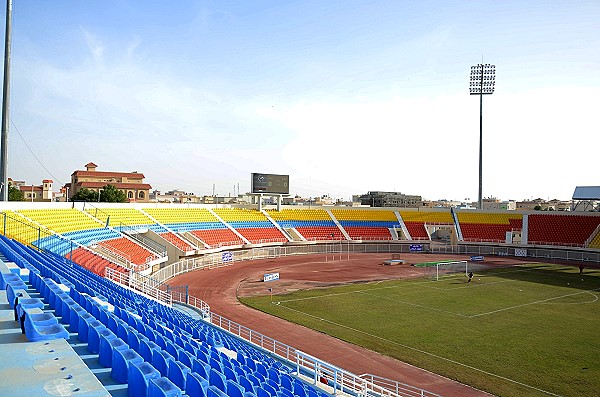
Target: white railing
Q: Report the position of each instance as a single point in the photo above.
(138, 284)
(227, 258)
(192, 301)
(115, 255)
(591, 238)
(321, 372)
(399, 388)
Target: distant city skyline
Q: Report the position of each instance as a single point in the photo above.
(344, 96)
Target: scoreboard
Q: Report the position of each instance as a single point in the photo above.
(270, 183)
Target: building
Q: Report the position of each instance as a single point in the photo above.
(494, 204)
(543, 205)
(42, 192)
(130, 183)
(390, 199)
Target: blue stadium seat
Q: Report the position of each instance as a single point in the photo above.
(83, 322)
(234, 389)
(286, 381)
(140, 375)
(230, 374)
(178, 373)
(195, 385)
(94, 334)
(186, 358)
(201, 368)
(47, 328)
(214, 391)
(146, 349)
(284, 393)
(9, 277)
(133, 339)
(215, 378)
(260, 392)
(160, 361)
(253, 379)
(269, 388)
(299, 389)
(121, 361)
(107, 347)
(245, 383)
(163, 387)
(14, 290)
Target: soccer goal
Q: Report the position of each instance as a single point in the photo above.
(438, 270)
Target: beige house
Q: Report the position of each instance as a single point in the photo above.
(130, 183)
(41, 192)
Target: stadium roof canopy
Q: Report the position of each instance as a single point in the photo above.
(587, 193)
(586, 198)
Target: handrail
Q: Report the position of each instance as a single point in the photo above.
(339, 379)
(151, 245)
(115, 255)
(397, 386)
(135, 282)
(591, 238)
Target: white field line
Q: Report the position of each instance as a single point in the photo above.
(350, 292)
(532, 303)
(595, 299)
(415, 304)
(424, 352)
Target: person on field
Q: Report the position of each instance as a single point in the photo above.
(581, 267)
(470, 276)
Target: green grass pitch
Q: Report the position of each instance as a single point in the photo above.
(530, 330)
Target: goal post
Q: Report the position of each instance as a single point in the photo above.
(438, 270)
(451, 268)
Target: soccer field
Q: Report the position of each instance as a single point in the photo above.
(529, 330)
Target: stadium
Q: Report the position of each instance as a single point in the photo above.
(142, 299)
(112, 288)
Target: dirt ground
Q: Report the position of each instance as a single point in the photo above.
(221, 287)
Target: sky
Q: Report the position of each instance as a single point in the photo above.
(344, 96)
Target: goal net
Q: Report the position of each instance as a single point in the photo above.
(439, 270)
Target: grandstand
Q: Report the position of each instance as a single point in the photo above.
(483, 226)
(367, 225)
(83, 269)
(252, 225)
(416, 222)
(565, 230)
(307, 224)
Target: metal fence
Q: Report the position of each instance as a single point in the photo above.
(227, 258)
(551, 253)
(321, 372)
(139, 284)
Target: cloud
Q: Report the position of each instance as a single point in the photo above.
(94, 45)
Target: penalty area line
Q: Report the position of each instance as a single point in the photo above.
(534, 303)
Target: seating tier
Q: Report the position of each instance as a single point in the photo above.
(218, 237)
(364, 215)
(299, 214)
(132, 251)
(558, 229)
(120, 216)
(62, 220)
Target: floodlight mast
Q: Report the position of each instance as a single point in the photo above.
(483, 79)
(5, 107)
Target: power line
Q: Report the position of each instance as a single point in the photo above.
(33, 154)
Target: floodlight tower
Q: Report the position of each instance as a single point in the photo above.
(5, 107)
(483, 79)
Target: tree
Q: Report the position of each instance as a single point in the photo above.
(85, 194)
(14, 194)
(110, 194)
